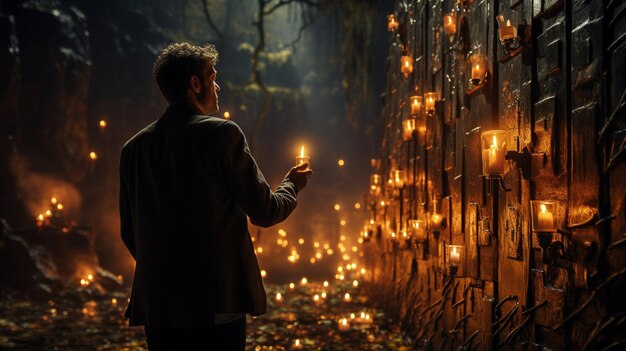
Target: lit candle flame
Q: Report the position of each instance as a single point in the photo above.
(495, 143)
(543, 208)
(302, 151)
(508, 23)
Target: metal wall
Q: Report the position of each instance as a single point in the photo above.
(561, 98)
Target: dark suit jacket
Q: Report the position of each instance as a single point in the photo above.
(187, 182)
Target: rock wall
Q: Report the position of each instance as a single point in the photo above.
(558, 92)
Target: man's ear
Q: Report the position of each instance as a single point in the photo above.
(196, 87)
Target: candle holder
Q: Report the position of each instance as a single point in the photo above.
(399, 178)
(522, 160)
(449, 24)
(478, 67)
(406, 62)
(455, 255)
(392, 22)
(408, 129)
(437, 223)
(405, 239)
(418, 230)
(431, 99)
(416, 105)
(543, 220)
(302, 158)
(514, 37)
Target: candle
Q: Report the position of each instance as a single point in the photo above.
(507, 30)
(545, 220)
(430, 99)
(455, 256)
(409, 129)
(449, 23)
(344, 325)
(297, 344)
(419, 231)
(478, 68)
(392, 24)
(406, 65)
(493, 153)
(416, 105)
(375, 179)
(435, 222)
(398, 179)
(303, 158)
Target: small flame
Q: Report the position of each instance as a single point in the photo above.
(543, 208)
(495, 142)
(508, 23)
(454, 250)
(302, 151)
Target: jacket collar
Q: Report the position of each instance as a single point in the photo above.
(182, 109)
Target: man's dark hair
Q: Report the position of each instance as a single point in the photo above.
(177, 63)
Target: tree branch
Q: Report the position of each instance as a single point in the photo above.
(287, 2)
(209, 19)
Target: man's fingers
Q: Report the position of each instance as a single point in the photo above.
(302, 166)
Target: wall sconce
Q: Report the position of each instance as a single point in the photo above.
(478, 63)
(513, 37)
(431, 98)
(408, 129)
(407, 64)
(405, 237)
(455, 255)
(375, 179)
(399, 177)
(436, 223)
(418, 230)
(375, 183)
(416, 105)
(390, 182)
(392, 22)
(494, 152)
(449, 23)
(543, 224)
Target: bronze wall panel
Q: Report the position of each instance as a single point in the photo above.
(562, 100)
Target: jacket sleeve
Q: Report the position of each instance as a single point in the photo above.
(126, 227)
(245, 181)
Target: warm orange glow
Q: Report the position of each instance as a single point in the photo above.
(292, 286)
(495, 143)
(341, 163)
(53, 200)
(302, 151)
(347, 297)
(304, 281)
(259, 250)
(59, 206)
(226, 115)
(325, 284)
(337, 207)
(342, 222)
(93, 155)
(102, 123)
(357, 205)
(281, 232)
(543, 208)
(279, 297)
(263, 273)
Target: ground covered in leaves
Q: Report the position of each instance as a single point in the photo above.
(84, 320)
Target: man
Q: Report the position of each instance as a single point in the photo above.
(187, 185)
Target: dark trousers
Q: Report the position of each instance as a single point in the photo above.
(222, 337)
